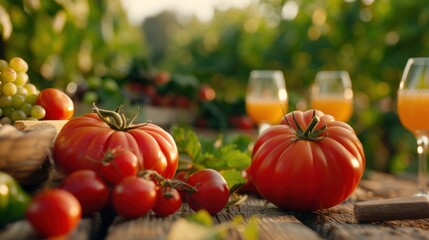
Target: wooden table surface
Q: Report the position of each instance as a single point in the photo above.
(335, 223)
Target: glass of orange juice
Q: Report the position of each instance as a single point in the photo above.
(266, 97)
(332, 94)
(413, 111)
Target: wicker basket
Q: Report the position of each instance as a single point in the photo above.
(24, 155)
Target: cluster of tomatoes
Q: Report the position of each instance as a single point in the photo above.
(111, 163)
(119, 187)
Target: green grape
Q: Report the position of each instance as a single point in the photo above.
(26, 107)
(18, 101)
(21, 79)
(9, 89)
(7, 111)
(110, 85)
(22, 91)
(18, 64)
(94, 82)
(31, 88)
(6, 120)
(5, 101)
(31, 98)
(38, 112)
(18, 115)
(3, 65)
(90, 97)
(8, 75)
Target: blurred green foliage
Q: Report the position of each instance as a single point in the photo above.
(67, 41)
(372, 40)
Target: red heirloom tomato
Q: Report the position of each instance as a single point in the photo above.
(83, 142)
(308, 162)
(54, 212)
(57, 104)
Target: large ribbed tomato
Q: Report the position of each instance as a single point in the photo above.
(309, 161)
(83, 142)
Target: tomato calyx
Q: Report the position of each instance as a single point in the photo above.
(311, 133)
(116, 119)
(167, 183)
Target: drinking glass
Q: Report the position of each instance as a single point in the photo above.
(266, 97)
(332, 94)
(413, 111)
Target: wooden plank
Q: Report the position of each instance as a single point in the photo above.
(22, 230)
(273, 223)
(339, 222)
(382, 185)
(27, 125)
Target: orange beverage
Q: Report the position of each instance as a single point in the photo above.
(413, 109)
(266, 111)
(340, 107)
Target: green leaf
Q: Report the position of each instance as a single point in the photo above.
(232, 177)
(251, 230)
(187, 142)
(188, 230)
(214, 154)
(233, 157)
(202, 217)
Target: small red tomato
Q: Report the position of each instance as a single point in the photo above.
(133, 197)
(54, 212)
(57, 104)
(89, 189)
(212, 191)
(241, 122)
(168, 202)
(248, 187)
(162, 77)
(206, 93)
(181, 176)
(119, 164)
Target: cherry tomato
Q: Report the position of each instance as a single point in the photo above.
(89, 189)
(248, 187)
(212, 191)
(118, 164)
(181, 176)
(54, 212)
(162, 78)
(57, 104)
(133, 197)
(168, 202)
(206, 93)
(241, 122)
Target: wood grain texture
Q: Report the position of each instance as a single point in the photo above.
(338, 222)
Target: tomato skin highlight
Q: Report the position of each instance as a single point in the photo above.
(134, 197)
(303, 175)
(89, 189)
(54, 212)
(83, 141)
(212, 191)
(57, 104)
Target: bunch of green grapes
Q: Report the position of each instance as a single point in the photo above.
(17, 94)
